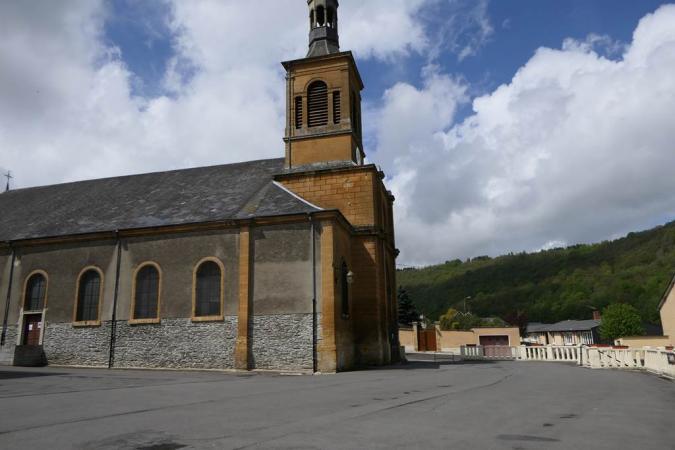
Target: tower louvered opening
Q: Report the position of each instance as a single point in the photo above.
(317, 111)
(356, 116)
(298, 112)
(337, 112)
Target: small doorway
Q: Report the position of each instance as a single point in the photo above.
(32, 326)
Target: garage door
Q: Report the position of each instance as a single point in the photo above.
(494, 340)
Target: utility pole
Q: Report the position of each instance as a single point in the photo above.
(9, 176)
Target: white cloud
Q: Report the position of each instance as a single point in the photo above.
(67, 108)
(576, 148)
(383, 28)
(460, 27)
(600, 43)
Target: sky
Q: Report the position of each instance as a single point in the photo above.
(502, 125)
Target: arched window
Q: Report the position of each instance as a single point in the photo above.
(146, 293)
(208, 290)
(344, 288)
(312, 24)
(329, 18)
(89, 287)
(320, 16)
(35, 293)
(317, 110)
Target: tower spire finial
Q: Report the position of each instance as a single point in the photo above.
(9, 176)
(323, 27)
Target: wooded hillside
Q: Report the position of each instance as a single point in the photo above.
(552, 285)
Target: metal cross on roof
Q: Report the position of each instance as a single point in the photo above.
(9, 176)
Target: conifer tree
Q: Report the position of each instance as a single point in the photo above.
(407, 313)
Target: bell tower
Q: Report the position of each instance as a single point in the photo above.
(323, 112)
(323, 27)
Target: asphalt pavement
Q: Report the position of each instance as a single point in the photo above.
(425, 404)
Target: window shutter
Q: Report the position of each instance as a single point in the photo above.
(337, 112)
(298, 112)
(317, 113)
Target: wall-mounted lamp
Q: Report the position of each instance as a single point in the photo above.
(350, 277)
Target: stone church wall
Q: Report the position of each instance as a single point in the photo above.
(281, 325)
(7, 350)
(177, 343)
(282, 342)
(177, 255)
(65, 345)
(281, 333)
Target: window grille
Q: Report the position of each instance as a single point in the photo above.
(208, 295)
(317, 109)
(147, 293)
(36, 288)
(298, 112)
(587, 338)
(88, 293)
(337, 111)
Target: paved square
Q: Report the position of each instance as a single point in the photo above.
(512, 405)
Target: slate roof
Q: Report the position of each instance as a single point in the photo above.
(536, 327)
(178, 197)
(565, 325)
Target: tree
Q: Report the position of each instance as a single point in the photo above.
(448, 319)
(620, 320)
(455, 320)
(518, 319)
(407, 313)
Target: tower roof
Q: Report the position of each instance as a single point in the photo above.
(323, 27)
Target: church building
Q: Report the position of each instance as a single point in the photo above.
(281, 264)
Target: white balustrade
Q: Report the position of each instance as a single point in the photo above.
(489, 352)
(651, 359)
(472, 352)
(550, 353)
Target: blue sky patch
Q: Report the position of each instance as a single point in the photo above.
(139, 28)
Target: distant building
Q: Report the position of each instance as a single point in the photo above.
(667, 310)
(567, 332)
(433, 338)
(658, 338)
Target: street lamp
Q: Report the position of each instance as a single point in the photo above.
(468, 297)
